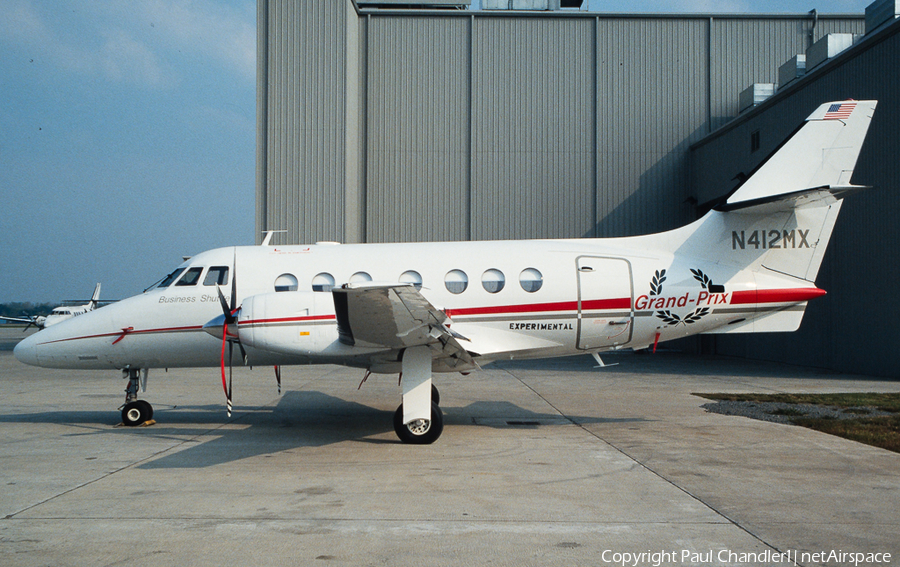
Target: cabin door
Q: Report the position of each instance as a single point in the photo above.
(605, 302)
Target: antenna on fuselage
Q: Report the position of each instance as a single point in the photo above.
(268, 236)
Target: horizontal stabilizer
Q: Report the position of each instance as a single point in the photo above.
(817, 196)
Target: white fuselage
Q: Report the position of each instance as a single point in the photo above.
(507, 299)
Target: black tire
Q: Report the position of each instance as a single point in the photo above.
(435, 395)
(146, 405)
(136, 412)
(422, 433)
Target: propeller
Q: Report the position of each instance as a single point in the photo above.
(230, 318)
(34, 321)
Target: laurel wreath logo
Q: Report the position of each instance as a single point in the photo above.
(656, 287)
(702, 278)
(656, 283)
(673, 319)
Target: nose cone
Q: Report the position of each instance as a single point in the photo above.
(216, 327)
(26, 351)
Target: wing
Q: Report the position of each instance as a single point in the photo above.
(396, 316)
(17, 319)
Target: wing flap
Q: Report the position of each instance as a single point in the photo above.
(394, 316)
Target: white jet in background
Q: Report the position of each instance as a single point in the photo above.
(749, 265)
(59, 314)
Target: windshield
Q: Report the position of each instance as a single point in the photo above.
(191, 277)
(167, 281)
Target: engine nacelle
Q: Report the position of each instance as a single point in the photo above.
(291, 322)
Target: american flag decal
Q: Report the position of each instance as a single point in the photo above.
(839, 111)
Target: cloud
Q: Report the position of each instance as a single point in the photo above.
(219, 32)
(143, 43)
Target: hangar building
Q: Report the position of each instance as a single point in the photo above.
(400, 121)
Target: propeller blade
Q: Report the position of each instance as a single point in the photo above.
(234, 284)
(225, 386)
(278, 378)
(229, 317)
(243, 352)
(228, 405)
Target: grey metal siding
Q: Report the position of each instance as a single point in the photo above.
(417, 129)
(305, 122)
(405, 126)
(746, 51)
(651, 104)
(532, 84)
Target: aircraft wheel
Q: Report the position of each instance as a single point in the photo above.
(435, 395)
(420, 432)
(136, 412)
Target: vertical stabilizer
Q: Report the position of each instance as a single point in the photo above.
(784, 214)
(821, 153)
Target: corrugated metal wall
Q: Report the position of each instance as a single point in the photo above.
(852, 329)
(417, 147)
(532, 128)
(750, 50)
(387, 126)
(652, 103)
(304, 93)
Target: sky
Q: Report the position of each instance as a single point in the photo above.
(128, 134)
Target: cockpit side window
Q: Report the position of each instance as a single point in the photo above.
(190, 277)
(167, 281)
(217, 275)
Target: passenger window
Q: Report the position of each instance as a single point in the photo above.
(323, 282)
(360, 277)
(217, 275)
(531, 280)
(493, 280)
(191, 277)
(286, 282)
(411, 277)
(167, 281)
(456, 281)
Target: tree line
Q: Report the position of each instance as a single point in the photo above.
(25, 308)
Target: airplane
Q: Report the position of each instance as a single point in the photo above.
(749, 265)
(59, 314)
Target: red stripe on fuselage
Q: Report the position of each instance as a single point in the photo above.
(795, 295)
(130, 333)
(288, 320)
(618, 303)
(759, 296)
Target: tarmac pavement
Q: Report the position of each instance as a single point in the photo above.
(540, 463)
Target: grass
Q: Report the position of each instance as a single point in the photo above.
(879, 431)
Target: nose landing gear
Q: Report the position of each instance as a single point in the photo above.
(135, 412)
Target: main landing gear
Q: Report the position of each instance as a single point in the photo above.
(418, 420)
(421, 431)
(135, 412)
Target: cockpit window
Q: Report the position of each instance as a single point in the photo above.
(191, 277)
(217, 275)
(167, 281)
